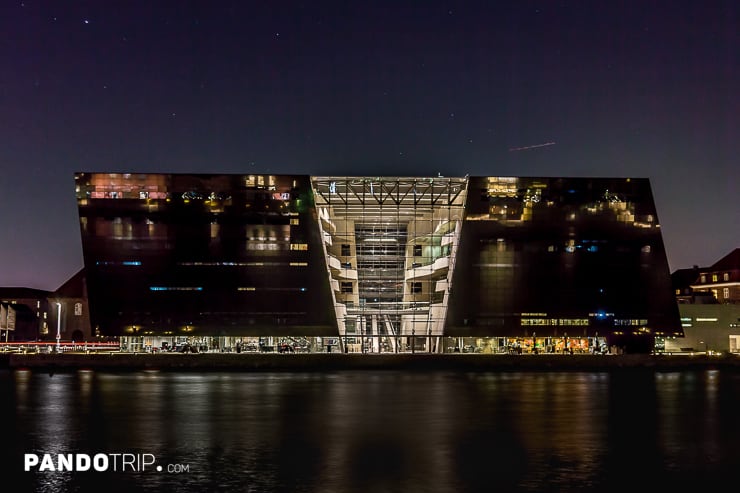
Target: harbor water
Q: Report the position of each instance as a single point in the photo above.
(369, 431)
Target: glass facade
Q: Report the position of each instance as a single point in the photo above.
(559, 257)
(220, 255)
(377, 264)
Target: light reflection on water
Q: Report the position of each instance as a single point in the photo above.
(375, 432)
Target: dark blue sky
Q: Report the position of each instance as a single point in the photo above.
(628, 88)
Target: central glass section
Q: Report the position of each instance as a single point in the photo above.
(390, 244)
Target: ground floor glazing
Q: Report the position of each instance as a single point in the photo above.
(368, 344)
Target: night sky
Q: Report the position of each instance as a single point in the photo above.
(624, 88)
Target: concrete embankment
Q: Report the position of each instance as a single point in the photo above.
(334, 362)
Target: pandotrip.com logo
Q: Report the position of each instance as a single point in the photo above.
(101, 462)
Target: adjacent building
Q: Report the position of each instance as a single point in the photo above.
(24, 314)
(70, 314)
(709, 305)
(721, 280)
(375, 264)
(36, 315)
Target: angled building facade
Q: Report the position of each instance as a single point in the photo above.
(376, 264)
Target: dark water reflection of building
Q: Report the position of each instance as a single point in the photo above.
(388, 431)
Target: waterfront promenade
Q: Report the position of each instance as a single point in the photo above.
(322, 362)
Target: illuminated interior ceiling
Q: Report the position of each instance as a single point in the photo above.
(386, 234)
(366, 197)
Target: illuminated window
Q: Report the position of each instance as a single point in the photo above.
(255, 246)
(125, 262)
(726, 293)
(703, 278)
(634, 321)
(175, 288)
(726, 276)
(299, 246)
(715, 278)
(294, 221)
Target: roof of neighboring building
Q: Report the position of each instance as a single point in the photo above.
(683, 278)
(20, 293)
(731, 261)
(74, 287)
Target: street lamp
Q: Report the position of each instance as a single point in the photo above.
(59, 324)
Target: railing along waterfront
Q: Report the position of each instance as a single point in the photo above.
(53, 346)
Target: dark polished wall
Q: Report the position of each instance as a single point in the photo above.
(582, 256)
(203, 255)
(197, 254)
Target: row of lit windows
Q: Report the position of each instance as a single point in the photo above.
(630, 321)
(554, 321)
(175, 288)
(275, 245)
(112, 262)
(210, 264)
(715, 292)
(186, 196)
(699, 319)
(259, 247)
(192, 195)
(347, 287)
(252, 288)
(715, 277)
(570, 246)
(129, 195)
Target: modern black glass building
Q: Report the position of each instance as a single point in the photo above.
(376, 264)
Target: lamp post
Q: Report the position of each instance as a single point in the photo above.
(59, 324)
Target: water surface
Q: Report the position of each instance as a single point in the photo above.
(377, 431)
